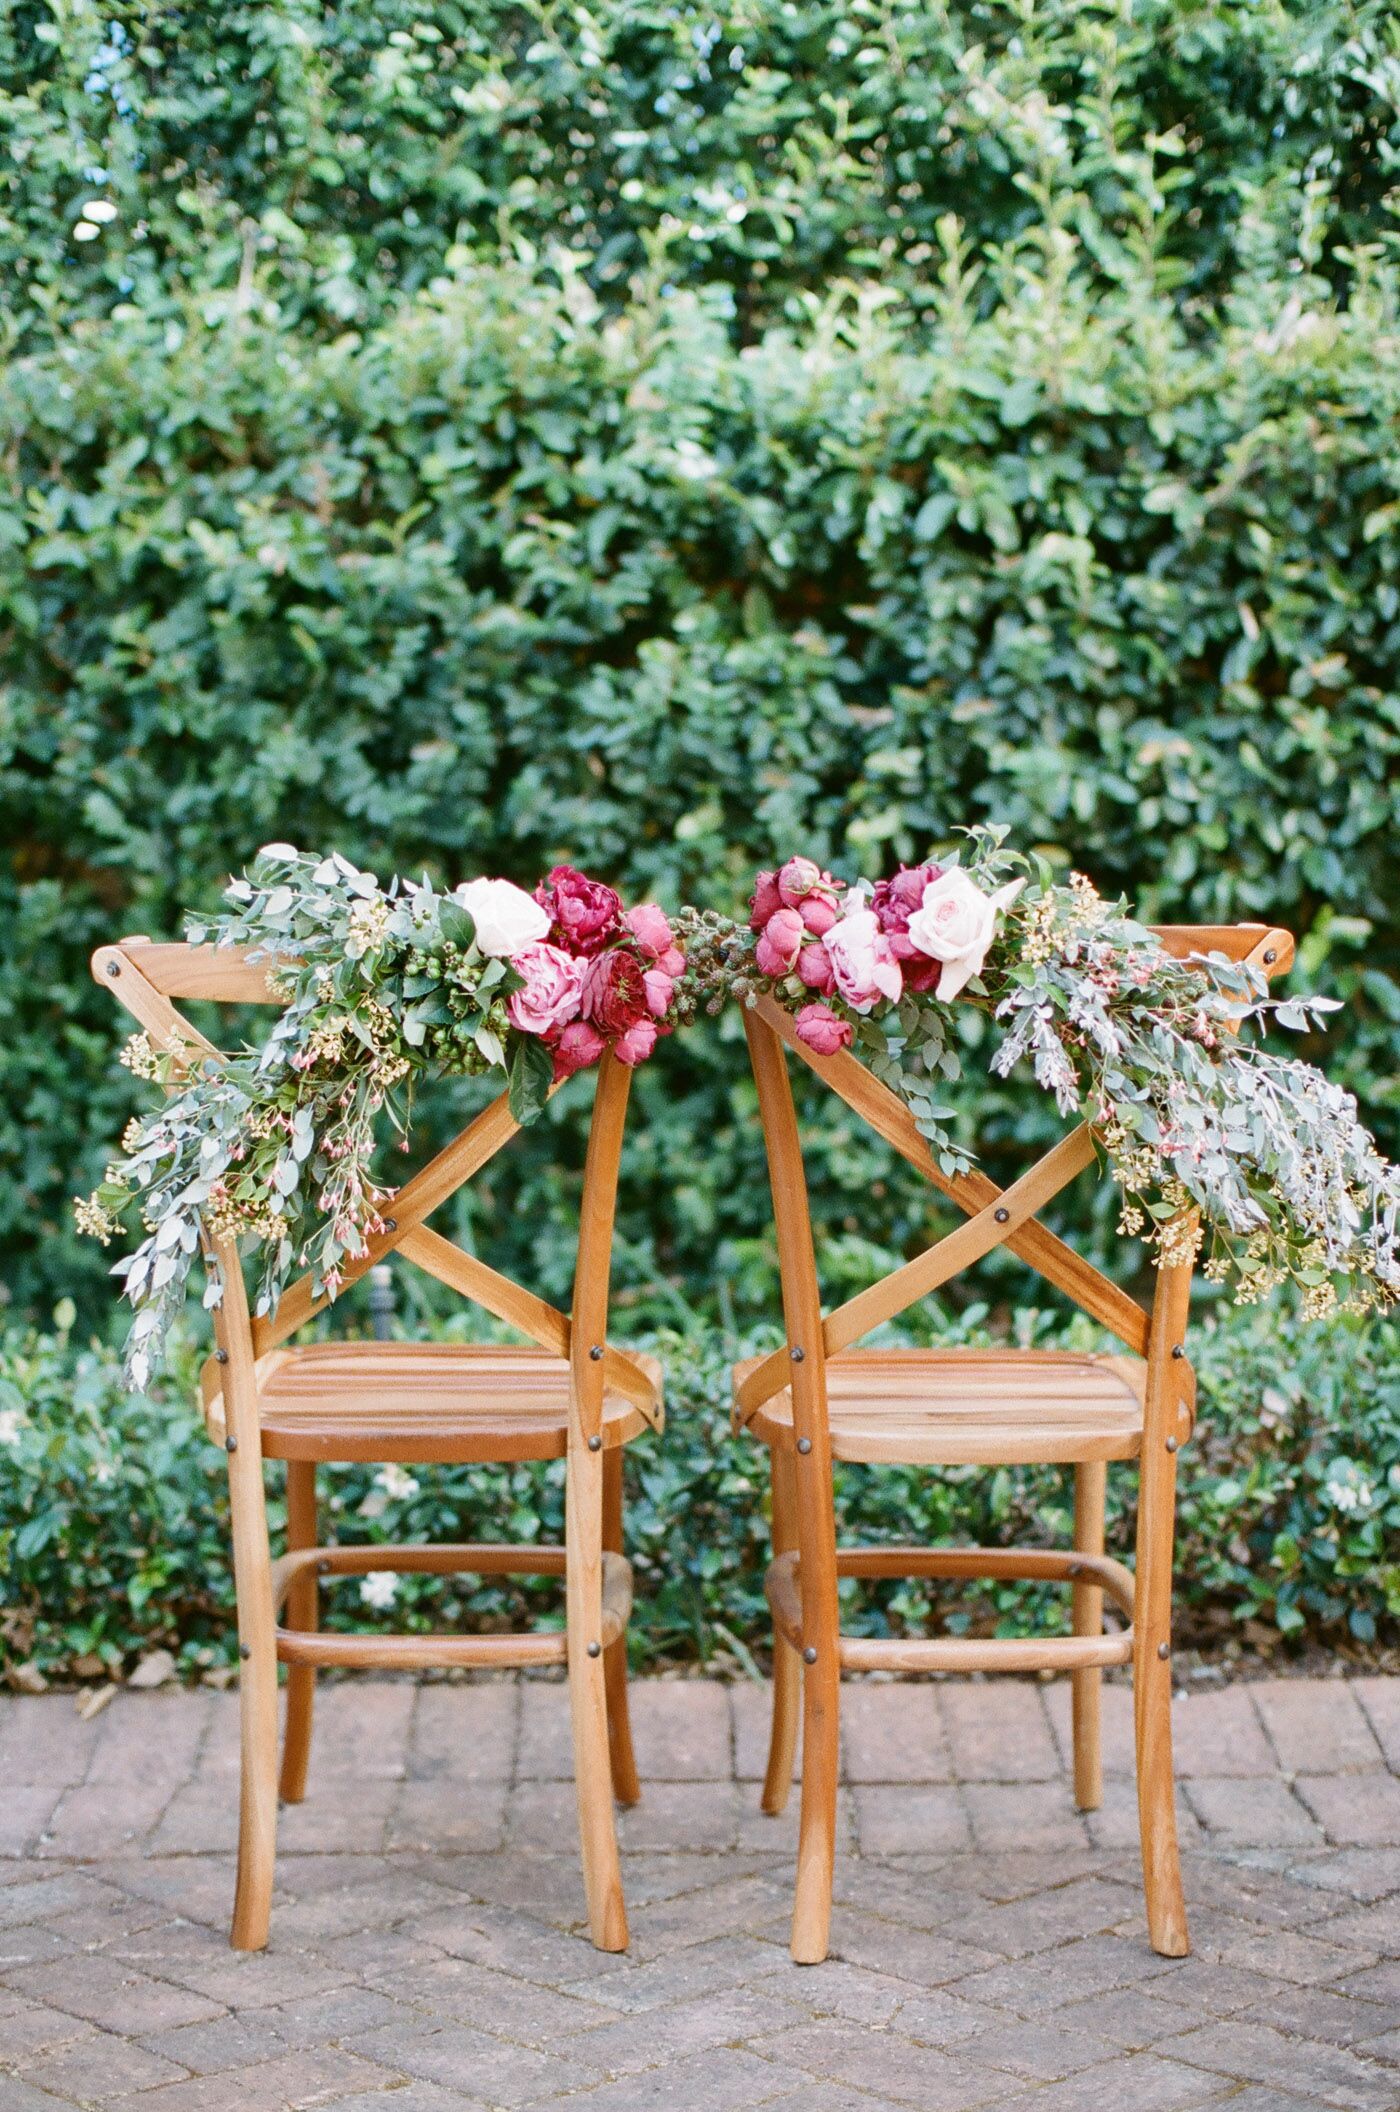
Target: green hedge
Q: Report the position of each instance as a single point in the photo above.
(482, 436)
(113, 1510)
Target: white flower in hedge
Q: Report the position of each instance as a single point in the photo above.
(11, 1424)
(379, 1588)
(955, 924)
(397, 1483)
(1348, 1488)
(506, 918)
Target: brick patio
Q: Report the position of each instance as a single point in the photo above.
(425, 1955)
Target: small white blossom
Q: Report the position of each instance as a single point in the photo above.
(397, 1482)
(11, 1424)
(379, 1588)
(101, 209)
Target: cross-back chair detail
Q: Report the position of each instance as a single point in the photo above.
(583, 1400)
(819, 1397)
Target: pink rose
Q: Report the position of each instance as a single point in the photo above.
(764, 900)
(955, 924)
(649, 927)
(578, 1046)
(553, 989)
(822, 1031)
(819, 913)
(768, 960)
(783, 933)
(797, 879)
(862, 961)
(672, 963)
(814, 967)
(659, 990)
(637, 1043)
(583, 913)
(614, 992)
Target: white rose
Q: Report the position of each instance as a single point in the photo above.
(954, 924)
(506, 918)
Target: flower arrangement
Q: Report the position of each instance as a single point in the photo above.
(273, 1146)
(1210, 1135)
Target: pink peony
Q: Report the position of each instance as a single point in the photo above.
(578, 1046)
(814, 967)
(614, 993)
(822, 1031)
(553, 989)
(783, 933)
(862, 961)
(583, 913)
(649, 927)
(799, 878)
(637, 1043)
(659, 990)
(764, 900)
(819, 913)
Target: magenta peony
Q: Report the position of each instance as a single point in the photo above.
(614, 993)
(578, 1046)
(553, 990)
(584, 914)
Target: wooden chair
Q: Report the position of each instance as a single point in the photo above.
(571, 1397)
(819, 1399)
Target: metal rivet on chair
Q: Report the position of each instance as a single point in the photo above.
(1003, 1217)
(1164, 1650)
(245, 1650)
(1270, 957)
(804, 1445)
(596, 1353)
(1171, 1444)
(595, 1649)
(323, 1569)
(114, 968)
(1074, 1570)
(809, 1655)
(230, 1444)
(595, 1443)
(391, 1224)
(221, 1356)
(797, 1354)
(1179, 1351)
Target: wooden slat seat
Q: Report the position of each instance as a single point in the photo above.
(429, 1401)
(960, 1407)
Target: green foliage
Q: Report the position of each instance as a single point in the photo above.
(666, 438)
(113, 1508)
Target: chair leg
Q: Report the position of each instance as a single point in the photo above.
(1152, 1710)
(1090, 1488)
(626, 1787)
(302, 1612)
(588, 1702)
(787, 1666)
(257, 1703)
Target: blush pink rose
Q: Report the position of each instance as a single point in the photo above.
(552, 992)
(814, 967)
(583, 913)
(659, 990)
(637, 1043)
(822, 1031)
(578, 1046)
(955, 924)
(819, 913)
(764, 900)
(672, 963)
(650, 928)
(862, 961)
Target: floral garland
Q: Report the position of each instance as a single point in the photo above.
(273, 1146)
(1209, 1135)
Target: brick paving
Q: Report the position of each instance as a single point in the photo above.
(426, 1952)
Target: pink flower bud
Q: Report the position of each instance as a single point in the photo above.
(822, 1031)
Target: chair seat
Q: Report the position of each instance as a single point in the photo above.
(430, 1401)
(956, 1407)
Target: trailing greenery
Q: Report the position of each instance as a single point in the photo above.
(470, 436)
(113, 1508)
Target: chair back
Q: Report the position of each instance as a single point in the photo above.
(145, 977)
(995, 1217)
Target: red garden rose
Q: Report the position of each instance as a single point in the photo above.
(584, 913)
(615, 993)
